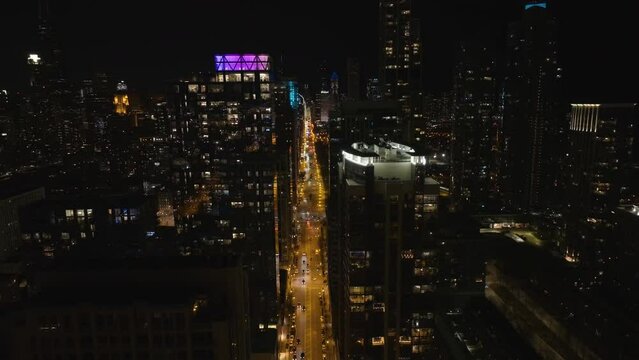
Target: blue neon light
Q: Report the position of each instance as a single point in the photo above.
(293, 98)
(541, 5)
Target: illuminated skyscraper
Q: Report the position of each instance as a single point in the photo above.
(224, 170)
(400, 55)
(601, 157)
(532, 116)
(382, 276)
(121, 99)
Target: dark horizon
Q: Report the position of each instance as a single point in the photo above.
(147, 44)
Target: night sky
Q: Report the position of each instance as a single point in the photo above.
(146, 43)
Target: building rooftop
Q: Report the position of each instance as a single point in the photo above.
(382, 152)
(630, 209)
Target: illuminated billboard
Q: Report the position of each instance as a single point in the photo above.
(243, 62)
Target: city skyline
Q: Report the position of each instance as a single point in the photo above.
(384, 180)
(94, 39)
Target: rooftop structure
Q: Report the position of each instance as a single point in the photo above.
(368, 154)
(243, 62)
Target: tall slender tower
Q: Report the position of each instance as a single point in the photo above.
(51, 118)
(475, 128)
(400, 60)
(353, 86)
(532, 116)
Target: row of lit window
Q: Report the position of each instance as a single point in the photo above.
(227, 77)
(80, 213)
(241, 204)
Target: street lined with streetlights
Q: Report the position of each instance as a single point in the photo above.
(308, 329)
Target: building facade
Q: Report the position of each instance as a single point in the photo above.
(222, 140)
(10, 205)
(400, 61)
(602, 157)
(382, 276)
(138, 310)
(475, 129)
(533, 120)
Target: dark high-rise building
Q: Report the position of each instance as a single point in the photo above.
(9, 130)
(97, 94)
(334, 85)
(285, 105)
(168, 309)
(353, 80)
(224, 170)
(51, 117)
(532, 120)
(373, 90)
(475, 130)
(368, 120)
(354, 121)
(12, 199)
(438, 121)
(601, 157)
(381, 275)
(400, 63)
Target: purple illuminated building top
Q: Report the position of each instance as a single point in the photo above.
(244, 62)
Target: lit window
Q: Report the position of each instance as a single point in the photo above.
(216, 88)
(193, 88)
(233, 77)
